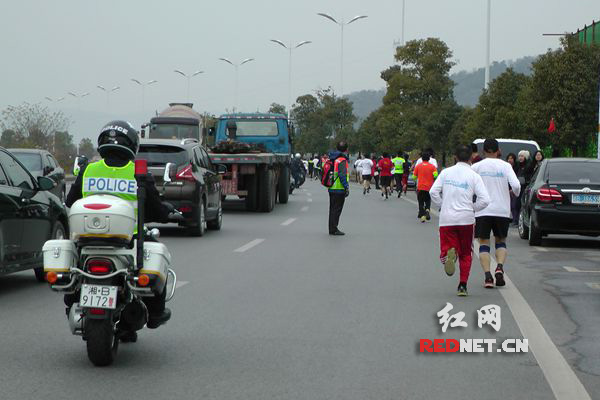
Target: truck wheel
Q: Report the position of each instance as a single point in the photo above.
(251, 199)
(283, 187)
(266, 191)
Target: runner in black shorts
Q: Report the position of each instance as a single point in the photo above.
(484, 226)
(498, 176)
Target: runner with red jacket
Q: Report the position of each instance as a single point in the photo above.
(385, 167)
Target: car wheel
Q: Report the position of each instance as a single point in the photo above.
(58, 233)
(215, 224)
(523, 230)
(199, 227)
(535, 234)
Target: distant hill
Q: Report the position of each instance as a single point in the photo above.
(469, 85)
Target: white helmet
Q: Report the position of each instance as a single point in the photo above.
(298, 155)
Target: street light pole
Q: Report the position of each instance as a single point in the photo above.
(188, 77)
(341, 24)
(108, 92)
(236, 67)
(143, 85)
(290, 48)
(488, 39)
(403, 19)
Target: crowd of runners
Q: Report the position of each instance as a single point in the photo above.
(475, 197)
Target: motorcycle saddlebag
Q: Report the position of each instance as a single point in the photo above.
(59, 255)
(157, 261)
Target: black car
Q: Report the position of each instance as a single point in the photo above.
(192, 184)
(42, 163)
(562, 198)
(29, 216)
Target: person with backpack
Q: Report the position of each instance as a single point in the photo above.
(385, 172)
(335, 177)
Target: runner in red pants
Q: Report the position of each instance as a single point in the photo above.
(454, 190)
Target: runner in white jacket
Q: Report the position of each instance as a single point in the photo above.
(454, 189)
(498, 178)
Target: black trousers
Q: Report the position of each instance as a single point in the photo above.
(377, 182)
(398, 179)
(424, 202)
(336, 205)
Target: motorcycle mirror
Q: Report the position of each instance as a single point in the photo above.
(154, 233)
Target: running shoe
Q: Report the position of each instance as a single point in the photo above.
(423, 219)
(489, 283)
(500, 276)
(450, 262)
(364, 192)
(427, 215)
(462, 290)
(399, 194)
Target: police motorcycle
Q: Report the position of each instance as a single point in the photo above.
(110, 269)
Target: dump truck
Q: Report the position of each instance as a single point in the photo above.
(256, 148)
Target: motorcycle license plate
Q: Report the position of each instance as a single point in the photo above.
(98, 296)
(586, 199)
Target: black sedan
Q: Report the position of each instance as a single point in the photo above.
(42, 163)
(562, 198)
(29, 216)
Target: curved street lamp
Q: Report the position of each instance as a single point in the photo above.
(290, 48)
(108, 92)
(342, 24)
(188, 77)
(236, 66)
(143, 85)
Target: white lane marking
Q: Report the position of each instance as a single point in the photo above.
(288, 221)
(180, 284)
(575, 269)
(309, 194)
(305, 208)
(541, 249)
(593, 285)
(562, 380)
(309, 200)
(249, 245)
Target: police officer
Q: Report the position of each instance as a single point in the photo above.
(118, 144)
(399, 162)
(340, 188)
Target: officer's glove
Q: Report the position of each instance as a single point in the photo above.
(347, 192)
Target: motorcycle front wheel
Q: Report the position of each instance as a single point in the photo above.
(102, 343)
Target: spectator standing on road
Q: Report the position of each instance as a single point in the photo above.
(317, 167)
(340, 188)
(523, 165)
(385, 173)
(454, 190)
(475, 157)
(498, 178)
(311, 167)
(425, 173)
(514, 204)
(367, 169)
(538, 157)
(399, 162)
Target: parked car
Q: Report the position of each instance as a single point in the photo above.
(508, 146)
(192, 184)
(42, 163)
(29, 216)
(562, 198)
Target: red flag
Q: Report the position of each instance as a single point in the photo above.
(552, 127)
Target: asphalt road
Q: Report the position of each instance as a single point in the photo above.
(271, 307)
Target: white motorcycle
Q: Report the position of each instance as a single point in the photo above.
(109, 270)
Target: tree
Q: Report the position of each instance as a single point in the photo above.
(419, 108)
(564, 86)
(65, 150)
(11, 139)
(277, 109)
(34, 123)
(321, 120)
(86, 148)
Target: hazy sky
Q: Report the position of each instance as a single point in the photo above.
(52, 47)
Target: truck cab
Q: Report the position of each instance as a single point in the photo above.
(267, 130)
(178, 122)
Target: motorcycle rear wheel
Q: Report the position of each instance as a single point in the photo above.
(102, 343)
